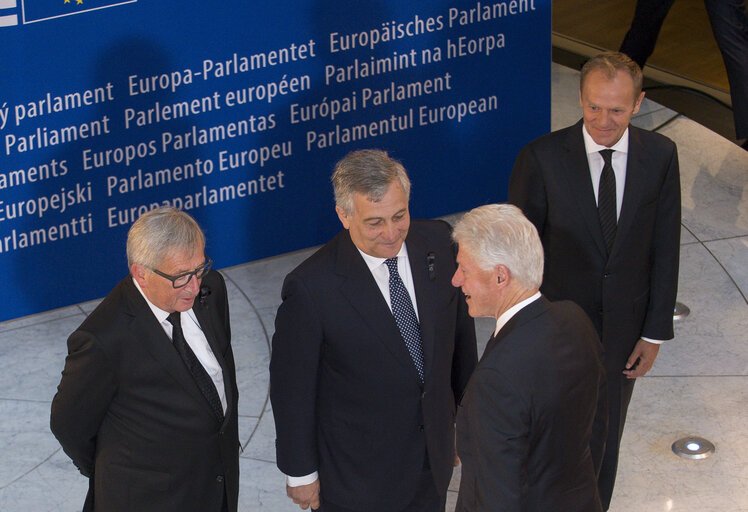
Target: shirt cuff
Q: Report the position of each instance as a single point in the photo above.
(297, 481)
(656, 342)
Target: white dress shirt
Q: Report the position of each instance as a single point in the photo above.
(618, 160)
(197, 341)
(381, 274)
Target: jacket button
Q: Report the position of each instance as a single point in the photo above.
(219, 479)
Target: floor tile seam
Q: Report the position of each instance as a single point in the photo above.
(258, 459)
(267, 344)
(29, 471)
(11, 329)
(714, 257)
(7, 399)
(734, 237)
(665, 123)
(254, 310)
(659, 107)
(259, 419)
(727, 273)
(266, 259)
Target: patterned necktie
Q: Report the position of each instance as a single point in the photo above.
(606, 200)
(202, 379)
(405, 316)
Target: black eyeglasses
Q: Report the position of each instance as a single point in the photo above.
(181, 280)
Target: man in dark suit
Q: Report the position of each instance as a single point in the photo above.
(525, 421)
(372, 348)
(146, 407)
(605, 198)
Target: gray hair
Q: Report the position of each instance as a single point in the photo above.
(369, 172)
(610, 63)
(160, 231)
(499, 234)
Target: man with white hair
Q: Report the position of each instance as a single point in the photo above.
(529, 409)
(147, 403)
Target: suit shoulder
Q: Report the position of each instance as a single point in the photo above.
(215, 283)
(106, 324)
(552, 139)
(554, 322)
(432, 228)
(570, 311)
(109, 310)
(320, 261)
(652, 139)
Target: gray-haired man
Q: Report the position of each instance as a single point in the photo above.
(372, 348)
(525, 421)
(146, 407)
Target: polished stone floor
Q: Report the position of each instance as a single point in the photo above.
(698, 386)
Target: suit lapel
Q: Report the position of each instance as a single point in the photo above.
(426, 293)
(211, 334)
(580, 190)
(360, 289)
(523, 316)
(635, 184)
(149, 333)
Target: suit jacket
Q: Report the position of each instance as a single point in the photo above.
(631, 292)
(346, 396)
(130, 416)
(525, 421)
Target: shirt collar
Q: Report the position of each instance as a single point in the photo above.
(373, 262)
(593, 147)
(160, 314)
(509, 313)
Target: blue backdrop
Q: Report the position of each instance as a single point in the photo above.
(237, 112)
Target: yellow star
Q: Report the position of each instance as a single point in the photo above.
(78, 1)
(66, 2)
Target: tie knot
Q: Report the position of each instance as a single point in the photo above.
(391, 264)
(174, 319)
(606, 154)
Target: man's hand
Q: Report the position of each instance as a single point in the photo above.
(641, 359)
(305, 495)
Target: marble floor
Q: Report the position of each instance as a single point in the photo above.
(698, 386)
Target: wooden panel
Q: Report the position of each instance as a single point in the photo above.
(686, 45)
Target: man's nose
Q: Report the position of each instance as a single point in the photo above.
(193, 285)
(457, 279)
(390, 232)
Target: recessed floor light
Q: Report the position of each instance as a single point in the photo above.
(693, 448)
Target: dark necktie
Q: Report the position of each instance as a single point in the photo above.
(606, 200)
(405, 316)
(202, 379)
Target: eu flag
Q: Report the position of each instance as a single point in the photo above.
(41, 10)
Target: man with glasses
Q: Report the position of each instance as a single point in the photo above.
(147, 404)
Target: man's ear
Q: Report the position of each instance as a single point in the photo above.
(138, 272)
(503, 274)
(638, 102)
(343, 216)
